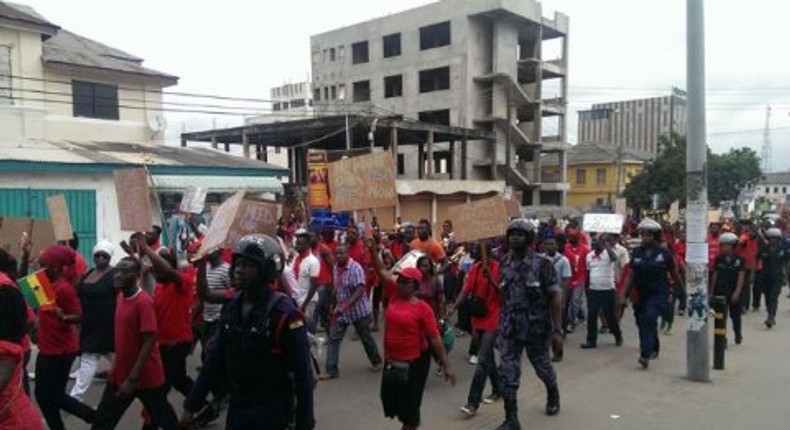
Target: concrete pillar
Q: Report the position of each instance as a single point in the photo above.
(394, 147)
(431, 170)
(420, 164)
(451, 163)
(245, 144)
(183, 142)
(214, 142)
(227, 147)
(434, 210)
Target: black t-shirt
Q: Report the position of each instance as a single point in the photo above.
(773, 259)
(727, 271)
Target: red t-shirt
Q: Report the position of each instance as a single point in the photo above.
(359, 253)
(325, 274)
(431, 247)
(56, 337)
(397, 249)
(173, 306)
(748, 250)
(134, 316)
(577, 255)
(389, 292)
(408, 327)
(5, 281)
(478, 285)
(80, 266)
(714, 249)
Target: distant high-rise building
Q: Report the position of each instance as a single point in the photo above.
(635, 124)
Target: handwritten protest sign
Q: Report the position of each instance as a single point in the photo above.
(513, 208)
(603, 223)
(481, 219)
(134, 204)
(221, 224)
(194, 200)
(41, 233)
(253, 218)
(363, 182)
(59, 213)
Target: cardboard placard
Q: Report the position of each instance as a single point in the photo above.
(603, 223)
(221, 224)
(193, 200)
(41, 233)
(253, 218)
(513, 208)
(674, 212)
(59, 213)
(134, 204)
(621, 206)
(481, 219)
(363, 182)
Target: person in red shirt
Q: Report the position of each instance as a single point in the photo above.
(173, 299)
(410, 328)
(577, 255)
(16, 409)
(426, 243)
(58, 341)
(747, 248)
(324, 249)
(481, 286)
(137, 370)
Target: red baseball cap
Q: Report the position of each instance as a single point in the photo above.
(411, 273)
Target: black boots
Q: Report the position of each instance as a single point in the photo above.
(511, 416)
(553, 401)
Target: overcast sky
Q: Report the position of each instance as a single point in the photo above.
(619, 49)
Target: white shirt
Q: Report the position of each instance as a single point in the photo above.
(622, 259)
(601, 269)
(309, 268)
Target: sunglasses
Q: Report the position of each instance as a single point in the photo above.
(101, 255)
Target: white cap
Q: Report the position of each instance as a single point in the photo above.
(104, 246)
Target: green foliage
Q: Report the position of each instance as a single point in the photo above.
(666, 175)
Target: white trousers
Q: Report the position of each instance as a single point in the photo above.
(89, 362)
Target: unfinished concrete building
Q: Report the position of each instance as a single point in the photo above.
(479, 64)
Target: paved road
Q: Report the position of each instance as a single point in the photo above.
(601, 389)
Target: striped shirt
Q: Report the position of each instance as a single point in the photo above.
(218, 278)
(348, 280)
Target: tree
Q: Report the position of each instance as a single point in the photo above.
(666, 175)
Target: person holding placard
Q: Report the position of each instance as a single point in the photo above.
(601, 264)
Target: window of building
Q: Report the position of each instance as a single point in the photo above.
(92, 100)
(284, 105)
(441, 117)
(331, 54)
(341, 91)
(581, 176)
(276, 107)
(776, 190)
(341, 53)
(393, 86)
(435, 35)
(391, 45)
(401, 164)
(317, 94)
(435, 79)
(784, 190)
(600, 176)
(6, 96)
(297, 103)
(359, 52)
(333, 94)
(326, 93)
(362, 91)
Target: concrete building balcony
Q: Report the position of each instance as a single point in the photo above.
(528, 70)
(554, 107)
(516, 91)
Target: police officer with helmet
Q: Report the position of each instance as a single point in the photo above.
(531, 318)
(260, 348)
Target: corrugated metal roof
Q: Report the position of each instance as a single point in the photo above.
(61, 151)
(70, 48)
(23, 13)
(779, 178)
(584, 153)
(218, 184)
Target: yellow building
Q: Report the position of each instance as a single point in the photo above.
(593, 173)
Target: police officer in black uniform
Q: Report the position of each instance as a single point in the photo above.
(261, 348)
(531, 319)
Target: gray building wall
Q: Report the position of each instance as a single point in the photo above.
(636, 124)
(485, 37)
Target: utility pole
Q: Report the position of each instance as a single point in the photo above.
(697, 339)
(348, 136)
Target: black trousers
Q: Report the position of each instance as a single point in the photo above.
(757, 289)
(112, 408)
(52, 375)
(174, 361)
(598, 300)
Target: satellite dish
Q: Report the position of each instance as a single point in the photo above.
(157, 122)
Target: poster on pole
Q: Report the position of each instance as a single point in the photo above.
(253, 217)
(480, 219)
(317, 179)
(59, 213)
(363, 182)
(674, 212)
(621, 206)
(193, 200)
(134, 202)
(217, 233)
(603, 223)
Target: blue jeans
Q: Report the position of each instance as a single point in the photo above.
(336, 334)
(486, 368)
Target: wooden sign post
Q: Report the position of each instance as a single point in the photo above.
(363, 182)
(481, 219)
(134, 203)
(59, 213)
(217, 233)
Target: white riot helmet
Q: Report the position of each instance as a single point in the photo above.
(773, 232)
(728, 239)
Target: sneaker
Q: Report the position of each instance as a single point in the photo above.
(473, 360)
(208, 414)
(470, 410)
(604, 330)
(376, 367)
(588, 345)
(738, 339)
(439, 371)
(644, 362)
(618, 339)
(492, 398)
(569, 329)
(668, 330)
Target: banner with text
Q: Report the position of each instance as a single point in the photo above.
(480, 219)
(193, 200)
(253, 218)
(317, 179)
(363, 182)
(603, 223)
